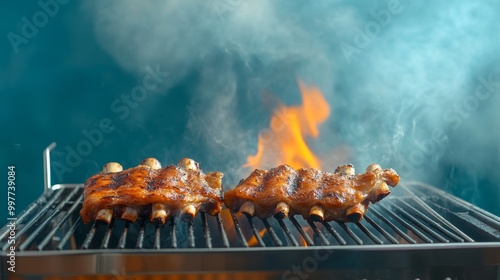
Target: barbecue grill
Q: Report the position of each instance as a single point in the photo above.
(418, 232)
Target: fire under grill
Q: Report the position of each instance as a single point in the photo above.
(418, 226)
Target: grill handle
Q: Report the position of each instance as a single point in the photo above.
(46, 166)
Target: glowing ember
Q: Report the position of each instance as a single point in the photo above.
(285, 141)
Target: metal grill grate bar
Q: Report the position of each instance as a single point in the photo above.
(334, 233)
(61, 222)
(351, 233)
(399, 219)
(35, 219)
(485, 219)
(40, 227)
(225, 241)
(421, 225)
(369, 234)
(173, 233)
(299, 228)
(288, 233)
(206, 231)
(107, 235)
(473, 210)
(191, 242)
(255, 232)
(318, 233)
(25, 214)
(90, 236)
(271, 232)
(69, 234)
(440, 218)
(381, 230)
(432, 222)
(140, 235)
(394, 227)
(238, 230)
(123, 236)
(157, 244)
(408, 226)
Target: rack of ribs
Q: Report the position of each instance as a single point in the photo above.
(314, 194)
(150, 191)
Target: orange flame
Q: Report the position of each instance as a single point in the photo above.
(252, 242)
(284, 142)
(309, 232)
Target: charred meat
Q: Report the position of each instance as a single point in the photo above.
(150, 191)
(314, 194)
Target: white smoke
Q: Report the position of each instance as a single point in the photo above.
(391, 90)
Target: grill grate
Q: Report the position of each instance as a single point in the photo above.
(418, 225)
(414, 214)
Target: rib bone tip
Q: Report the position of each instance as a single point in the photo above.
(152, 163)
(189, 164)
(248, 208)
(104, 215)
(355, 213)
(317, 213)
(159, 213)
(355, 217)
(188, 213)
(112, 167)
(347, 169)
(130, 214)
(281, 210)
(382, 190)
(373, 167)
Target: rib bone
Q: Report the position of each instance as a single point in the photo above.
(105, 215)
(214, 180)
(188, 213)
(281, 210)
(355, 213)
(317, 213)
(312, 193)
(130, 214)
(159, 213)
(373, 167)
(247, 208)
(111, 167)
(381, 190)
(188, 164)
(347, 169)
(151, 162)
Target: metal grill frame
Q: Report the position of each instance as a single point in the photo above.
(451, 250)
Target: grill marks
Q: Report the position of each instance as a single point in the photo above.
(183, 190)
(316, 195)
(415, 218)
(152, 192)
